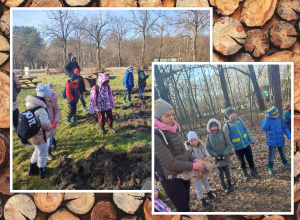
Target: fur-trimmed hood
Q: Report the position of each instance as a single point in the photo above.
(33, 102)
(211, 121)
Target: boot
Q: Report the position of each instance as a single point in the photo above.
(43, 172)
(254, 173)
(246, 176)
(111, 129)
(84, 109)
(68, 121)
(205, 204)
(75, 120)
(49, 155)
(230, 186)
(225, 188)
(54, 144)
(33, 169)
(102, 132)
(211, 196)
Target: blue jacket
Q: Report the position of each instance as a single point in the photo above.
(275, 129)
(239, 133)
(128, 80)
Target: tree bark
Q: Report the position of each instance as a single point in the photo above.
(275, 88)
(225, 7)
(12, 3)
(80, 203)
(224, 86)
(63, 214)
(77, 2)
(104, 210)
(44, 3)
(128, 202)
(288, 9)
(21, 207)
(258, 95)
(257, 42)
(283, 35)
(48, 202)
(257, 13)
(5, 23)
(229, 36)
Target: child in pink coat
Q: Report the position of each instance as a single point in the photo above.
(55, 113)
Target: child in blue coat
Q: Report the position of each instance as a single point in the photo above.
(128, 84)
(275, 129)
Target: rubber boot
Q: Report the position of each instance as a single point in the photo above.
(211, 196)
(49, 155)
(111, 129)
(102, 131)
(225, 188)
(205, 204)
(230, 186)
(246, 176)
(33, 169)
(43, 172)
(254, 173)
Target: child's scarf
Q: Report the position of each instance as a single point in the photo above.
(162, 126)
(215, 130)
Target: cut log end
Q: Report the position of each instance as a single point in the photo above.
(103, 210)
(273, 217)
(4, 99)
(128, 202)
(192, 3)
(48, 202)
(63, 214)
(1, 207)
(5, 22)
(4, 152)
(283, 35)
(78, 2)
(225, 7)
(288, 10)
(4, 181)
(80, 203)
(150, 3)
(12, 3)
(257, 42)
(125, 3)
(45, 3)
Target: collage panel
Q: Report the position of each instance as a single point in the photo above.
(217, 129)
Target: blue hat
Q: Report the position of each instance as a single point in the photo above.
(272, 110)
(74, 77)
(130, 69)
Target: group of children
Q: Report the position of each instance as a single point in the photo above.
(176, 158)
(45, 109)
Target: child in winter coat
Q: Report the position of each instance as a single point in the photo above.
(196, 147)
(128, 84)
(81, 87)
(142, 81)
(275, 129)
(72, 93)
(174, 160)
(219, 146)
(102, 101)
(39, 141)
(287, 117)
(55, 112)
(242, 141)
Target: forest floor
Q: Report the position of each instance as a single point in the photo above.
(271, 193)
(83, 158)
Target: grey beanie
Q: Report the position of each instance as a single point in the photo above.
(160, 107)
(43, 90)
(228, 111)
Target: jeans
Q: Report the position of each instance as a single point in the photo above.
(82, 99)
(221, 171)
(50, 140)
(245, 152)
(142, 88)
(272, 151)
(127, 92)
(178, 191)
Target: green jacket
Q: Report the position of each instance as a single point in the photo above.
(142, 78)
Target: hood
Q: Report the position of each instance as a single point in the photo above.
(101, 79)
(54, 97)
(211, 121)
(73, 57)
(74, 77)
(32, 102)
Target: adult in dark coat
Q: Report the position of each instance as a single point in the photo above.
(69, 68)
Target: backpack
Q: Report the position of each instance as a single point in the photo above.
(64, 91)
(29, 125)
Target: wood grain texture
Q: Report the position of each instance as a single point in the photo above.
(45, 3)
(80, 203)
(257, 42)
(48, 202)
(4, 99)
(120, 3)
(192, 3)
(104, 210)
(128, 202)
(77, 2)
(288, 10)
(150, 3)
(5, 22)
(4, 181)
(63, 214)
(242, 57)
(225, 7)
(283, 35)
(12, 3)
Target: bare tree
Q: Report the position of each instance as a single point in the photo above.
(275, 87)
(61, 26)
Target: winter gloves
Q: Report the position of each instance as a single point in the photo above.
(220, 157)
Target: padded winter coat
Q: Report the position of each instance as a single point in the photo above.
(238, 132)
(54, 108)
(275, 129)
(43, 116)
(128, 80)
(73, 92)
(173, 160)
(142, 78)
(69, 68)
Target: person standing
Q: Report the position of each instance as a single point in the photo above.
(142, 81)
(128, 84)
(69, 68)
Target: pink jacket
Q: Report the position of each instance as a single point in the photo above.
(54, 108)
(44, 118)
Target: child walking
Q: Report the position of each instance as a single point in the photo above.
(72, 93)
(174, 160)
(128, 84)
(55, 113)
(81, 87)
(275, 129)
(39, 141)
(102, 101)
(241, 139)
(196, 147)
(219, 146)
(142, 81)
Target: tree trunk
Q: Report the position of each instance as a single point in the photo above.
(224, 86)
(257, 13)
(21, 207)
(104, 210)
(229, 36)
(258, 95)
(4, 150)
(63, 214)
(98, 57)
(208, 92)
(48, 202)
(275, 88)
(128, 202)
(225, 7)
(288, 9)
(232, 97)
(80, 203)
(159, 77)
(143, 49)
(119, 53)
(241, 98)
(283, 35)
(4, 181)
(65, 54)
(257, 42)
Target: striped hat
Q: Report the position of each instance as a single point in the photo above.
(160, 107)
(130, 69)
(272, 110)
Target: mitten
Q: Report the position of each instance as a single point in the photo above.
(54, 124)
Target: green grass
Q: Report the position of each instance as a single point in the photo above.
(74, 141)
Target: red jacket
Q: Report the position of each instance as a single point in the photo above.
(73, 92)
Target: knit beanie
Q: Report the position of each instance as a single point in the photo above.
(191, 135)
(130, 69)
(228, 111)
(213, 124)
(160, 107)
(50, 85)
(43, 90)
(272, 110)
(76, 71)
(74, 77)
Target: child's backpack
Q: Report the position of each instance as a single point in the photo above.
(64, 91)
(28, 124)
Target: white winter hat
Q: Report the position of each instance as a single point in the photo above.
(43, 90)
(192, 134)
